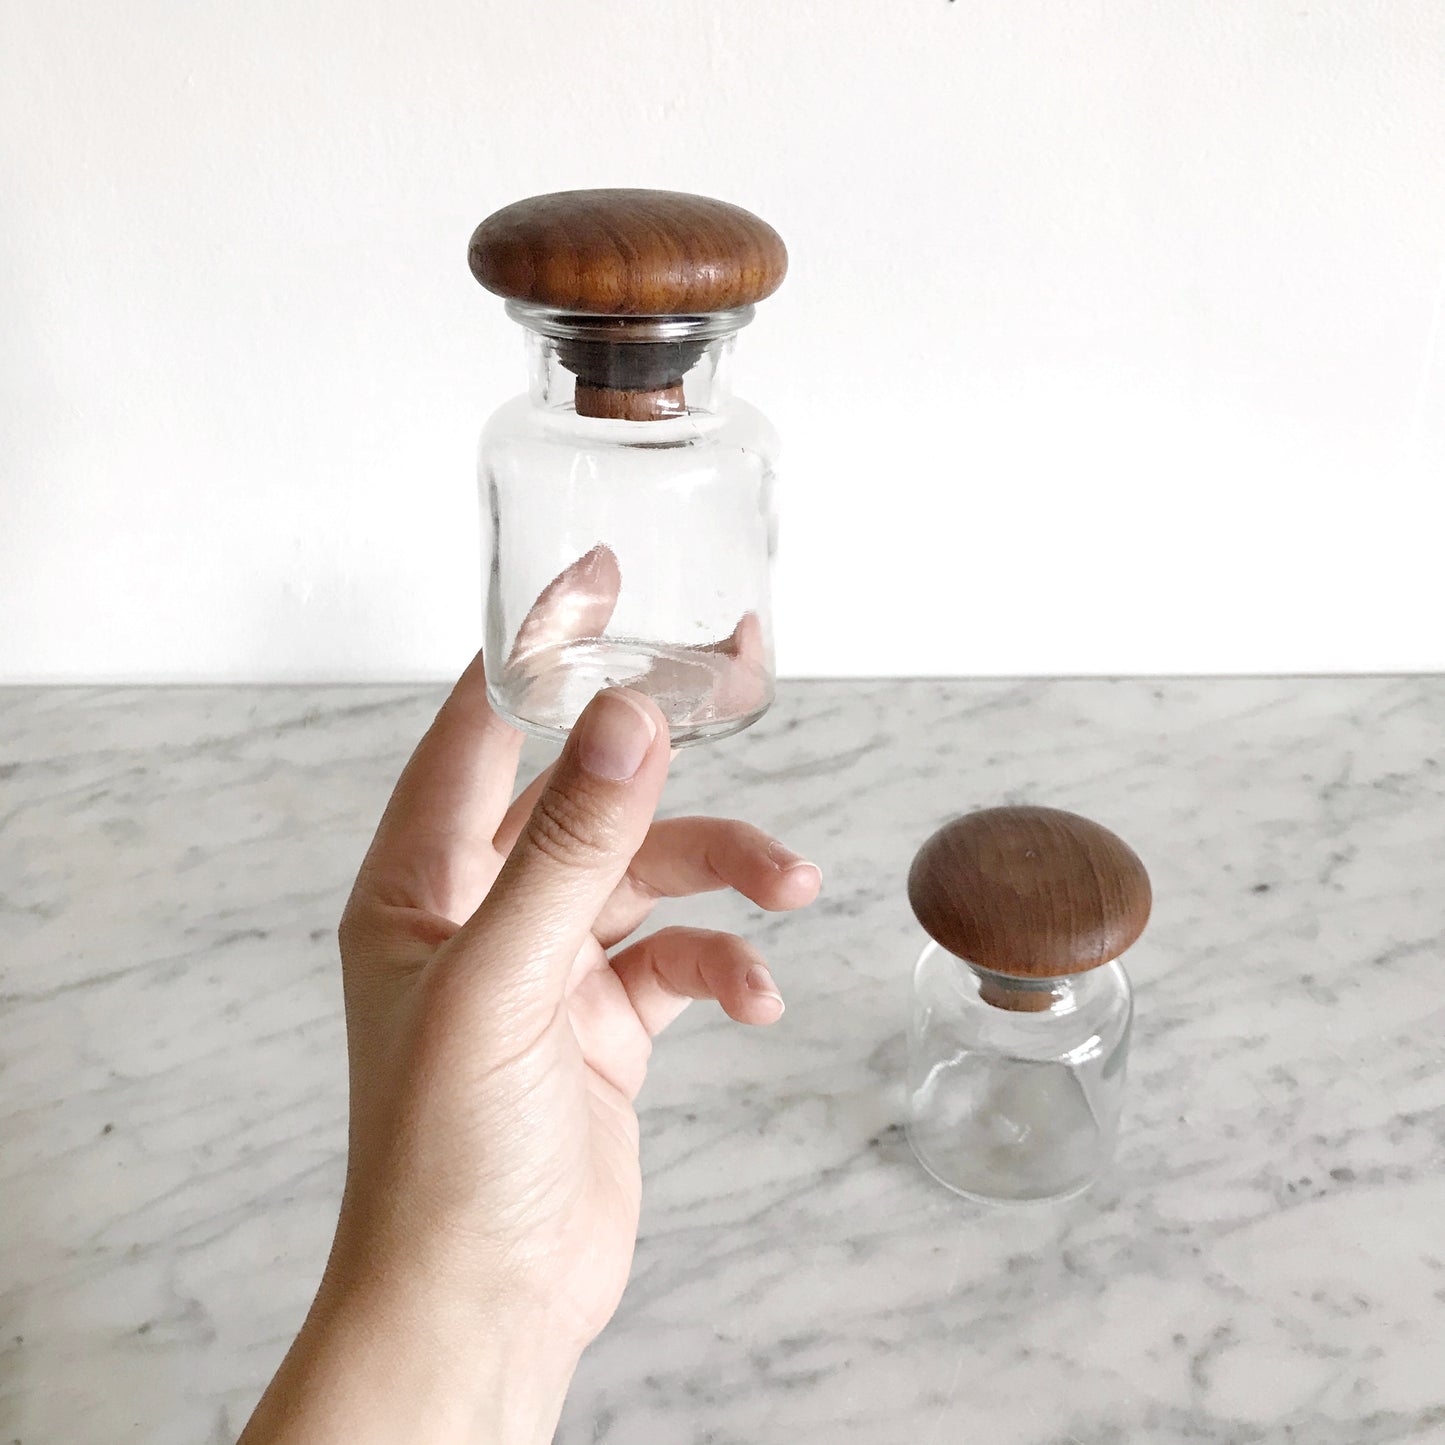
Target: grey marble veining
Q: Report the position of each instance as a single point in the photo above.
(1265, 1264)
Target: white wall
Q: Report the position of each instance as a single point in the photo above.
(1112, 341)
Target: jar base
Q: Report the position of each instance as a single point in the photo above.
(704, 693)
(978, 1195)
(1005, 1129)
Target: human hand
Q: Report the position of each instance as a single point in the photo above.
(493, 1185)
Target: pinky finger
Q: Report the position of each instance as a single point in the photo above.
(669, 968)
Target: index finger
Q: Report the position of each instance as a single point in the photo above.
(433, 847)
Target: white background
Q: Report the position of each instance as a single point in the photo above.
(1111, 344)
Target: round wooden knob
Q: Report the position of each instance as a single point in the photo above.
(628, 253)
(1031, 893)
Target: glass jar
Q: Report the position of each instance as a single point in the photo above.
(630, 548)
(627, 498)
(1019, 1035)
(1015, 1087)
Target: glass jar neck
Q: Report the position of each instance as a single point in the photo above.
(1025, 995)
(635, 368)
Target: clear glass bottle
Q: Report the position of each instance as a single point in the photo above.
(1019, 1037)
(628, 498)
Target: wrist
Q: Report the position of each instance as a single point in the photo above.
(478, 1366)
(386, 1355)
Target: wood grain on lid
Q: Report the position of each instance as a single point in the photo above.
(1030, 892)
(628, 253)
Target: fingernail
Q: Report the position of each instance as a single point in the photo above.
(785, 858)
(760, 981)
(613, 736)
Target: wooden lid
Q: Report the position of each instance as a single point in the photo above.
(1030, 893)
(628, 253)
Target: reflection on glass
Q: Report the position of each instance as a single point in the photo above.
(564, 653)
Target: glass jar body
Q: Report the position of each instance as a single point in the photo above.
(1015, 1106)
(629, 553)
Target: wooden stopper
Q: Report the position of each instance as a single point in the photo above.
(1029, 893)
(609, 401)
(1017, 1000)
(628, 253)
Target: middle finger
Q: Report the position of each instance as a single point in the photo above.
(684, 856)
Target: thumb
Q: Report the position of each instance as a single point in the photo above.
(579, 841)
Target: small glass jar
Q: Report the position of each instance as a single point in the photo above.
(628, 499)
(629, 549)
(1019, 1036)
(1014, 1089)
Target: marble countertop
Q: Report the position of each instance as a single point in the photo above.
(1266, 1262)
